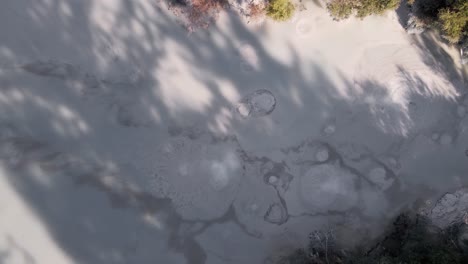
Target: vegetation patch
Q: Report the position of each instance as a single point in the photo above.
(280, 10)
(341, 9)
(256, 10)
(411, 239)
(450, 17)
(454, 21)
(203, 12)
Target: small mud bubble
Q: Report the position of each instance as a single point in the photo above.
(273, 179)
(329, 129)
(322, 155)
(243, 109)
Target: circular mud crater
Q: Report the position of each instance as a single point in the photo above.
(379, 177)
(259, 103)
(201, 178)
(303, 28)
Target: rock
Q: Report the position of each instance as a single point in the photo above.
(414, 30)
(463, 238)
(464, 52)
(450, 209)
(413, 26)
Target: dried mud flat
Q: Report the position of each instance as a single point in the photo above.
(123, 139)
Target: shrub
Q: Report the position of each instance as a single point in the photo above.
(280, 10)
(371, 7)
(202, 12)
(411, 239)
(454, 21)
(341, 9)
(256, 10)
(429, 8)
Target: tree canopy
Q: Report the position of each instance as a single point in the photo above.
(454, 20)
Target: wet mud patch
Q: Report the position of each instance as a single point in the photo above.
(327, 187)
(131, 116)
(259, 203)
(310, 152)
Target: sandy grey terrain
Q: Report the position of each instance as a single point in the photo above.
(124, 139)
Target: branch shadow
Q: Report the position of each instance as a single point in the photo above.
(107, 80)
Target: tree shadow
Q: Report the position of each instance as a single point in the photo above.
(433, 51)
(14, 250)
(106, 83)
(403, 12)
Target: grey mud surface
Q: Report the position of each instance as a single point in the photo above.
(122, 165)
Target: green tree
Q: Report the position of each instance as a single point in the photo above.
(371, 7)
(454, 20)
(341, 9)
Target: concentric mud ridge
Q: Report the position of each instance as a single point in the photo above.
(201, 178)
(257, 104)
(258, 204)
(276, 214)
